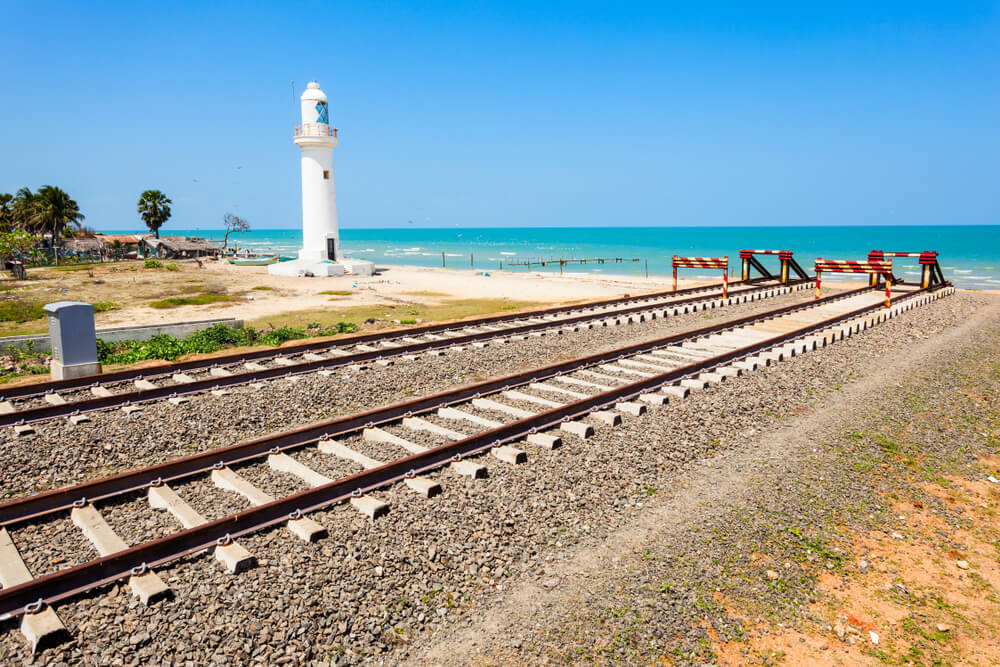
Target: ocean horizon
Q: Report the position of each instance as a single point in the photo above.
(969, 254)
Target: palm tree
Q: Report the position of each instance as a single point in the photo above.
(154, 206)
(53, 210)
(6, 211)
(23, 210)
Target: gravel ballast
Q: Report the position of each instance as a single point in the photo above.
(378, 590)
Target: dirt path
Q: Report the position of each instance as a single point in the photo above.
(710, 488)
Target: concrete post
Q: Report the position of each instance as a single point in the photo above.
(73, 340)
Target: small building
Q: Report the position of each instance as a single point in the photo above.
(84, 247)
(180, 247)
(121, 246)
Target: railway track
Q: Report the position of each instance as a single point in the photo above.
(21, 406)
(449, 429)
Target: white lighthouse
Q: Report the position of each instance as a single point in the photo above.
(320, 254)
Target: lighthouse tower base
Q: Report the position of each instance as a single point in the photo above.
(305, 267)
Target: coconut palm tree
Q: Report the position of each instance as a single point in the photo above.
(23, 210)
(154, 207)
(53, 210)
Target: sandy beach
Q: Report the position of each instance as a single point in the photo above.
(250, 293)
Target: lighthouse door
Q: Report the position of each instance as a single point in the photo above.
(331, 249)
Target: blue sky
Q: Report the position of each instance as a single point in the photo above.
(514, 113)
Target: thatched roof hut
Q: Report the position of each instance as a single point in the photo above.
(178, 247)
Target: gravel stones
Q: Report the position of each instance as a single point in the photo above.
(376, 590)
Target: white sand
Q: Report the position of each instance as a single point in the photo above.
(391, 286)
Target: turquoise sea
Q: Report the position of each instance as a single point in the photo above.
(969, 255)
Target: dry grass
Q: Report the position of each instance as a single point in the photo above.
(125, 284)
(385, 314)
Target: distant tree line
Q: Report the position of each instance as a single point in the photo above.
(28, 220)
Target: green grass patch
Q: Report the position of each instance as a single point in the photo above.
(334, 292)
(105, 306)
(74, 267)
(263, 288)
(20, 311)
(196, 300)
(410, 321)
(425, 293)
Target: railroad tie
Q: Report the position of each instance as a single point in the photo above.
(54, 399)
(101, 392)
(232, 554)
(632, 363)
(6, 408)
(76, 420)
(43, 627)
(146, 585)
(143, 385)
(464, 468)
(388, 344)
(312, 356)
(692, 383)
(283, 361)
(541, 386)
(631, 408)
(218, 372)
(418, 424)
(515, 395)
(599, 376)
(365, 348)
(303, 528)
(540, 439)
(569, 379)
(488, 404)
(425, 487)
(182, 378)
(626, 371)
(253, 366)
(454, 413)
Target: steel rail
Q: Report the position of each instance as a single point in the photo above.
(36, 389)
(60, 585)
(29, 507)
(43, 412)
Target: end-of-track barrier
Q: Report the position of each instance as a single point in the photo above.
(788, 265)
(719, 263)
(930, 274)
(879, 270)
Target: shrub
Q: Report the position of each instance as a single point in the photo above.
(152, 264)
(407, 321)
(172, 267)
(105, 306)
(214, 338)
